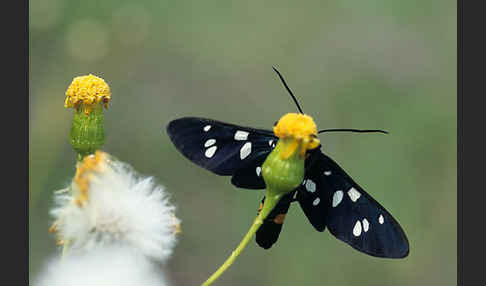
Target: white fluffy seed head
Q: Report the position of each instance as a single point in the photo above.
(117, 206)
(111, 266)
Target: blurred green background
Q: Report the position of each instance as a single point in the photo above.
(352, 64)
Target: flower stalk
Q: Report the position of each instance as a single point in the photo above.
(270, 203)
(87, 95)
(116, 223)
(282, 171)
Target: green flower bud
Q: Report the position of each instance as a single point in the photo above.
(281, 175)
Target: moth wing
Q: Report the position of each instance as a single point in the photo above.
(349, 213)
(222, 148)
(268, 233)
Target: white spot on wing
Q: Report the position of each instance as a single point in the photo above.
(210, 151)
(209, 142)
(258, 171)
(337, 198)
(357, 229)
(310, 186)
(316, 201)
(327, 173)
(366, 225)
(381, 219)
(206, 128)
(353, 194)
(270, 142)
(241, 135)
(245, 150)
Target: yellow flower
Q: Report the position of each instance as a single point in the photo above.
(88, 90)
(298, 130)
(87, 95)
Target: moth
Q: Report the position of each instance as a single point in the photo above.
(327, 195)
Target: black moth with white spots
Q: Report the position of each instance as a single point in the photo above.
(328, 196)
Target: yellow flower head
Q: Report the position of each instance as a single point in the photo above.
(300, 128)
(88, 90)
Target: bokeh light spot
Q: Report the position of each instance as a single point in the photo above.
(131, 24)
(87, 40)
(45, 14)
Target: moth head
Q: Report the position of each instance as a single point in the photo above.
(299, 130)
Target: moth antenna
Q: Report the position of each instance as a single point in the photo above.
(354, 130)
(288, 89)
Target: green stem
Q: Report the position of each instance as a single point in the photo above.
(270, 202)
